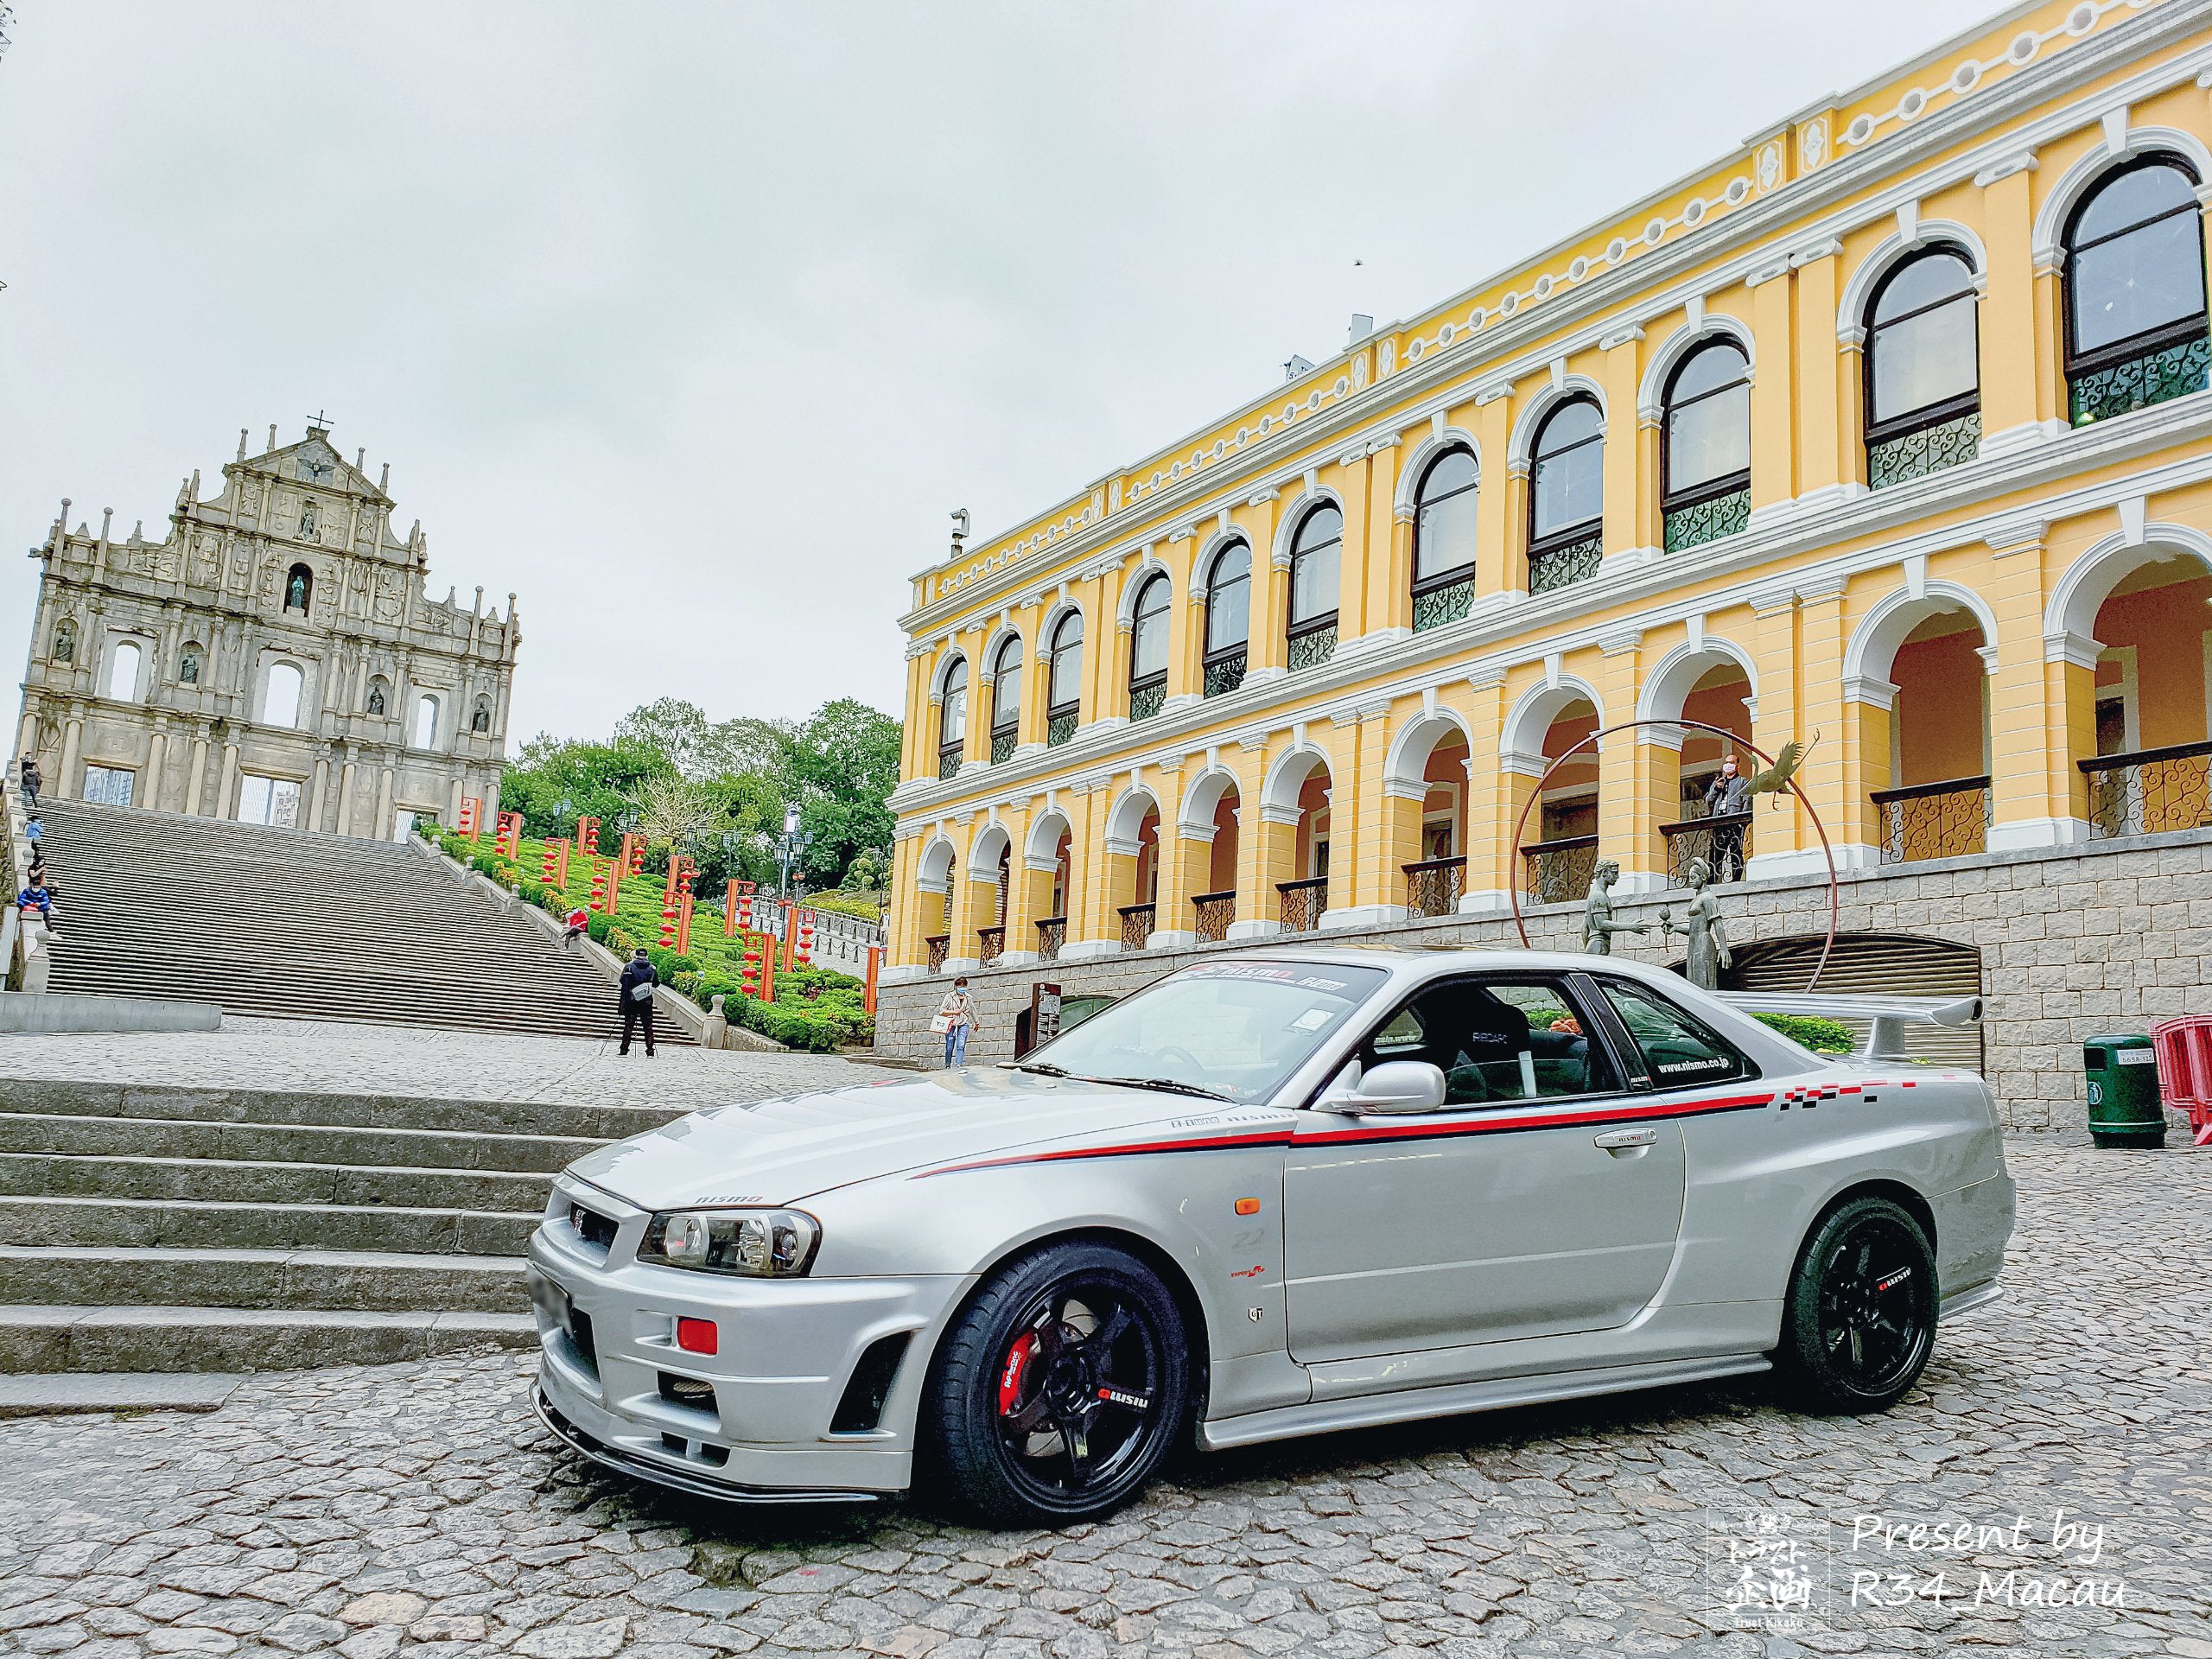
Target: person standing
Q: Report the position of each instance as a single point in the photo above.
(33, 781)
(638, 982)
(1728, 796)
(956, 1018)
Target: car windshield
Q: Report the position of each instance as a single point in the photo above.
(1233, 1029)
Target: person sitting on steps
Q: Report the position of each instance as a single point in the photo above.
(638, 982)
(36, 900)
(579, 923)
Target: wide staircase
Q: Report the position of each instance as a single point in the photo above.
(177, 1229)
(276, 922)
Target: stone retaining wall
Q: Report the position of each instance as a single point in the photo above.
(2075, 942)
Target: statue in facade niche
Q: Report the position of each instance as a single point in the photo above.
(1705, 939)
(295, 591)
(1597, 924)
(376, 699)
(481, 720)
(65, 644)
(187, 669)
(307, 521)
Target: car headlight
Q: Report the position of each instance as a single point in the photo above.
(757, 1243)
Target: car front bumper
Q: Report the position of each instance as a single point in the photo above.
(752, 1422)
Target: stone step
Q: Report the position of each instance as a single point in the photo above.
(54, 1394)
(305, 1143)
(354, 1280)
(69, 1098)
(204, 1338)
(188, 1223)
(214, 1180)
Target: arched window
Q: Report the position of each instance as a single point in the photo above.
(1148, 648)
(1924, 376)
(187, 663)
(123, 671)
(1706, 439)
(1443, 540)
(952, 720)
(2135, 323)
(426, 722)
(299, 587)
(1567, 495)
(1063, 693)
(1006, 699)
(1228, 618)
(1316, 555)
(280, 701)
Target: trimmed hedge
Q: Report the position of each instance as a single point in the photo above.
(1822, 1036)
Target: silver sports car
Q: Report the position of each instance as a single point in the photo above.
(1271, 1195)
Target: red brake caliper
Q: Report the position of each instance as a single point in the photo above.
(1017, 1367)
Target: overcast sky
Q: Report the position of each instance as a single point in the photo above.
(690, 323)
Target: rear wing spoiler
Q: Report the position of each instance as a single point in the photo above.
(1886, 1017)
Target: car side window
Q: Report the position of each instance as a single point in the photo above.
(1496, 1041)
(1678, 1049)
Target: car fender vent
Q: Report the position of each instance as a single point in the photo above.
(860, 1410)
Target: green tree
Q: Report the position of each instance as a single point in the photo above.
(843, 762)
(556, 781)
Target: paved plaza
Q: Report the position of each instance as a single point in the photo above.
(440, 1064)
(420, 1509)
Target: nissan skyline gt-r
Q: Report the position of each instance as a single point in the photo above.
(1271, 1194)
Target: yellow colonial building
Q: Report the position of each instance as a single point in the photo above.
(1888, 435)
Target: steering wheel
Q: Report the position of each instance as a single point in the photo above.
(1184, 1054)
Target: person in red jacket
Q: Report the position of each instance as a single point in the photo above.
(578, 922)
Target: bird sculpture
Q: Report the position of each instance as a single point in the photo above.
(1777, 777)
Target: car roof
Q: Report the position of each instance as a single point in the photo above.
(1428, 957)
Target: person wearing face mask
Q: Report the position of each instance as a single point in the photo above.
(1729, 794)
(956, 1018)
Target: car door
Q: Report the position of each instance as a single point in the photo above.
(1536, 1202)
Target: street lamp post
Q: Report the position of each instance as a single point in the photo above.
(794, 842)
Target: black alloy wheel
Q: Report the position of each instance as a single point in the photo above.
(1059, 1389)
(1860, 1322)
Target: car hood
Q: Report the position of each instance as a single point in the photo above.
(780, 1151)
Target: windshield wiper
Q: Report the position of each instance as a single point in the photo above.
(1165, 1085)
(1040, 1068)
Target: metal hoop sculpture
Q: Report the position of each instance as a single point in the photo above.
(1828, 852)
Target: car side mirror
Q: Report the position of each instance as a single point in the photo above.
(1394, 1086)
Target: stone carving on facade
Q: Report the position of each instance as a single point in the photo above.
(230, 586)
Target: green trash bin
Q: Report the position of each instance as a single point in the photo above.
(2125, 1109)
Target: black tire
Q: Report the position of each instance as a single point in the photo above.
(1859, 1323)
(1058, 1390)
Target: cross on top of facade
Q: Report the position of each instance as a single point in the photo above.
(319, 423)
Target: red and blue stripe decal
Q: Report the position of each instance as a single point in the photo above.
(1491, 1122)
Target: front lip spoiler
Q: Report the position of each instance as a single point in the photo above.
(698, 1486)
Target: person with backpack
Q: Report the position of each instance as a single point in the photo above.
(33, 779)
(638, 982)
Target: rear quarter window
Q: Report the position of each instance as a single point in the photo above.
(1678, 1049)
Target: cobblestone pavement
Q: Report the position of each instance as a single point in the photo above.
(444, 1065)
(419, 1510)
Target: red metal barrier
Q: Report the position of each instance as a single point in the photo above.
(2184, 1050)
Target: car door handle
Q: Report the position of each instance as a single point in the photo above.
(1614, 1139)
